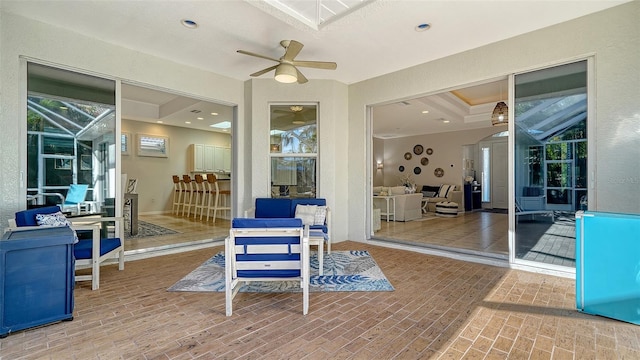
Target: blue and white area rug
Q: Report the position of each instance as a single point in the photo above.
(146, 229)
(343, 271)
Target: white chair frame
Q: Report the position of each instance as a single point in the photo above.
(233, 282)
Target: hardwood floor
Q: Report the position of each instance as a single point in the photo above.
(474, 232)
(441, 309)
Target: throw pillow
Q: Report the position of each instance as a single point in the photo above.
(377, 190)
(428, 194)
(307, 213)
(55, 219)
(444, 190)
(397, 190)
(321, 215)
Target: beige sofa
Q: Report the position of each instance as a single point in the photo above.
(408, 206)
(450, 194)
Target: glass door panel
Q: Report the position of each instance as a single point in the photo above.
(550, 162)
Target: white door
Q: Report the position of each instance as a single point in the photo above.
(499, 175)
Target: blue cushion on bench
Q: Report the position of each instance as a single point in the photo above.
(265, 222)
(273, 208)
(82, 250)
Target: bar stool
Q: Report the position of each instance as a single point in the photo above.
(214, 194)
(187, 191)
(198, 196)
(177, 195)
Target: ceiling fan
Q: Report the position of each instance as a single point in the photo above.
(298, 114)
(286, 70)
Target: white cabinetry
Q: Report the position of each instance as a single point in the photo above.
(209, 158)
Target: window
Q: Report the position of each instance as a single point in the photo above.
(293, 148)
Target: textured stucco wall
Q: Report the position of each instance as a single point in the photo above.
(21, 37)
(611, 36)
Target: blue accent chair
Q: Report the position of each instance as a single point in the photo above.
(266, 249)
(90, 252)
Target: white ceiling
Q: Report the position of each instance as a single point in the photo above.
(375, 39)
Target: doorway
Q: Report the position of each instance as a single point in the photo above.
(446, 126)
(198, 134)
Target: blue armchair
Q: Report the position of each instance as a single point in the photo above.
(266, 250)
(90, 252)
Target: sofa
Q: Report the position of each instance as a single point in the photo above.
(408, 206)
(313, 212)
(440, 193)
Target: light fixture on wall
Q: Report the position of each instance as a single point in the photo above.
(500, 115)
(380, 165)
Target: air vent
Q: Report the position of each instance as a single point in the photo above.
(196, 111)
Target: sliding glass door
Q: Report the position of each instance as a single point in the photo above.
(550, 167)
(70, 121)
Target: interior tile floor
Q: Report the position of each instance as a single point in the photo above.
(188, 229)
(441, 309)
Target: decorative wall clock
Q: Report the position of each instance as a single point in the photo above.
(438, 172)
(401, 168)
(429, 151)
(424, 161)
(417, 170)
(418, 149)
(407, 156)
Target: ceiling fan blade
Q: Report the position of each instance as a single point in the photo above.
(301, 78)
(316, 64)
(264, 71)
(293, 49)
(257, 55)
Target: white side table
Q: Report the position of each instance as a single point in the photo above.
(316, 237)
(389, 213)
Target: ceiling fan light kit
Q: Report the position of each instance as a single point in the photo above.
(286, 70)
(286, 73)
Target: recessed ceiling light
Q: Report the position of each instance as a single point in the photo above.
(422, 27)
(200, 118)
(189, 24)
(159, 121)
(214, 114)
(445, 121)
(187, 122)
(425, 111)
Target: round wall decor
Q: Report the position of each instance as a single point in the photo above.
(401, 168)
(424, 161)
(429, 151)
(407, 156)
(417, 170)
(438, 172)
(418, 149)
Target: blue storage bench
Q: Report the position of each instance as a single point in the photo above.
(269, 208)
(36, 278)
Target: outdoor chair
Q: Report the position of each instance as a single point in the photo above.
(88, 253)
(266, 250)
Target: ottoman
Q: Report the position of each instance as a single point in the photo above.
(447, 209)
